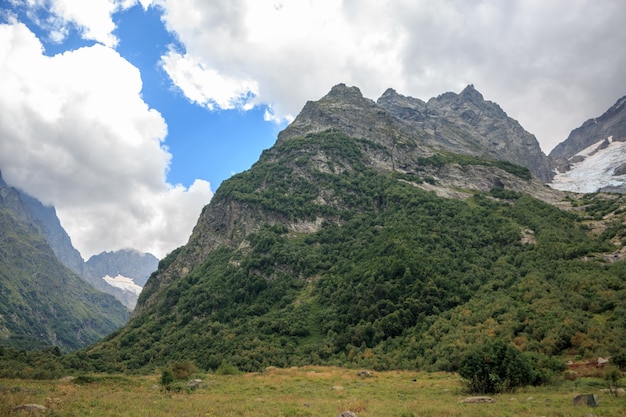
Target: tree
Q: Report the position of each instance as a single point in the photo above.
(495, 367)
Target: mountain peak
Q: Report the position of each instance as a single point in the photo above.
(470, 93)
(342, 90)
(347, 95)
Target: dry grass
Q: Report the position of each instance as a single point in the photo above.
(296, 392)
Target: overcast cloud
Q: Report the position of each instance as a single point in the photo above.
(77, 134)
(549, 64)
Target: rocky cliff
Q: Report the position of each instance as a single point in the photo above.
(593, 157)
(410, 128)
(611, 124)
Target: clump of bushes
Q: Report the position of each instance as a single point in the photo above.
(176, 372)
(499, 367)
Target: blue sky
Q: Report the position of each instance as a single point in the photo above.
(201, 141)
(126, 115)
(211, 145)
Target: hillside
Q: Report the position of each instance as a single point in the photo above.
(363, 244)
(41, 301)
(132, 267)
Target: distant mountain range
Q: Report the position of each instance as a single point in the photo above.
(394, 233)
(127, 270)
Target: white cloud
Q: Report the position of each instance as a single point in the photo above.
(551, 65)
(92, 18)
(77, 134)
(207, 86)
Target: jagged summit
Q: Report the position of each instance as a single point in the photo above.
(470, 93)
(462, 123)
(346, 93)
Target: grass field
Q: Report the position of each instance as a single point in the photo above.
(295, 392)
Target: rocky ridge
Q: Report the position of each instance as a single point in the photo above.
(593, 157)
(461, 123)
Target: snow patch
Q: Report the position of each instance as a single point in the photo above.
(595, 171)
(123, 283)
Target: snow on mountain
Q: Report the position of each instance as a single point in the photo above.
(123, 283)
(596, 169)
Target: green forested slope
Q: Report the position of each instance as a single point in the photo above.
(42, 303)
(392, 276)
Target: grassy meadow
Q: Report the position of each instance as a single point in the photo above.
(305, 391)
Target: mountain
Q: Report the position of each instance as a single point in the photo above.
(101, 271)
(462, 123)
(593, 157)
(127, 270)
(385, 235)
(46, 219)
(41, 301)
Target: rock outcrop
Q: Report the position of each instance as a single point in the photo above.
(612, 124)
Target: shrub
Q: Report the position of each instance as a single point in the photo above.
(227, 368)
(167, 377)
(619, 360)
(612, 376)
(183, 369)
(494, 368)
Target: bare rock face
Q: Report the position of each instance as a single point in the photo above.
(462, 123)
(620, 170)
(469, 118)
(611, 124)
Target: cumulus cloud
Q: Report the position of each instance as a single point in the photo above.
(93, 18)
(76, 134)
(551, 65)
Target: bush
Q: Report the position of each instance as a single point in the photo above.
(167, 377)
(619, 360)
(546, 369)
(183, 369)
(227, 368)
(494, 368)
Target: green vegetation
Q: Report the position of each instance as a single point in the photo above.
(297, 392)
(42, 302)
(494, 368)
(445, 158)
(392, 277)
(346, 266)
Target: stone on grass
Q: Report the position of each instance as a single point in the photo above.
(475, 400)
(590, 400)
(31, 408)
(347, 414)
(194, 383)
